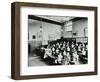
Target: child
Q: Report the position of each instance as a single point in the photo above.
(59, 59)
(66, 58)
(75, 57)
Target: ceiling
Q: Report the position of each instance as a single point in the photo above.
(60, 19)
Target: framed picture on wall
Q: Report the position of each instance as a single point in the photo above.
(51, 40)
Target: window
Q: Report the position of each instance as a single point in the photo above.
(68, 26)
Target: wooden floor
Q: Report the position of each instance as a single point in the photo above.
(36, 61)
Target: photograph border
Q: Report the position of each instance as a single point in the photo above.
(15, 39)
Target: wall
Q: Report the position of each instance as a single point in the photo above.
(5, 41)
(33, 28)
(49, 31)
(78, 28)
